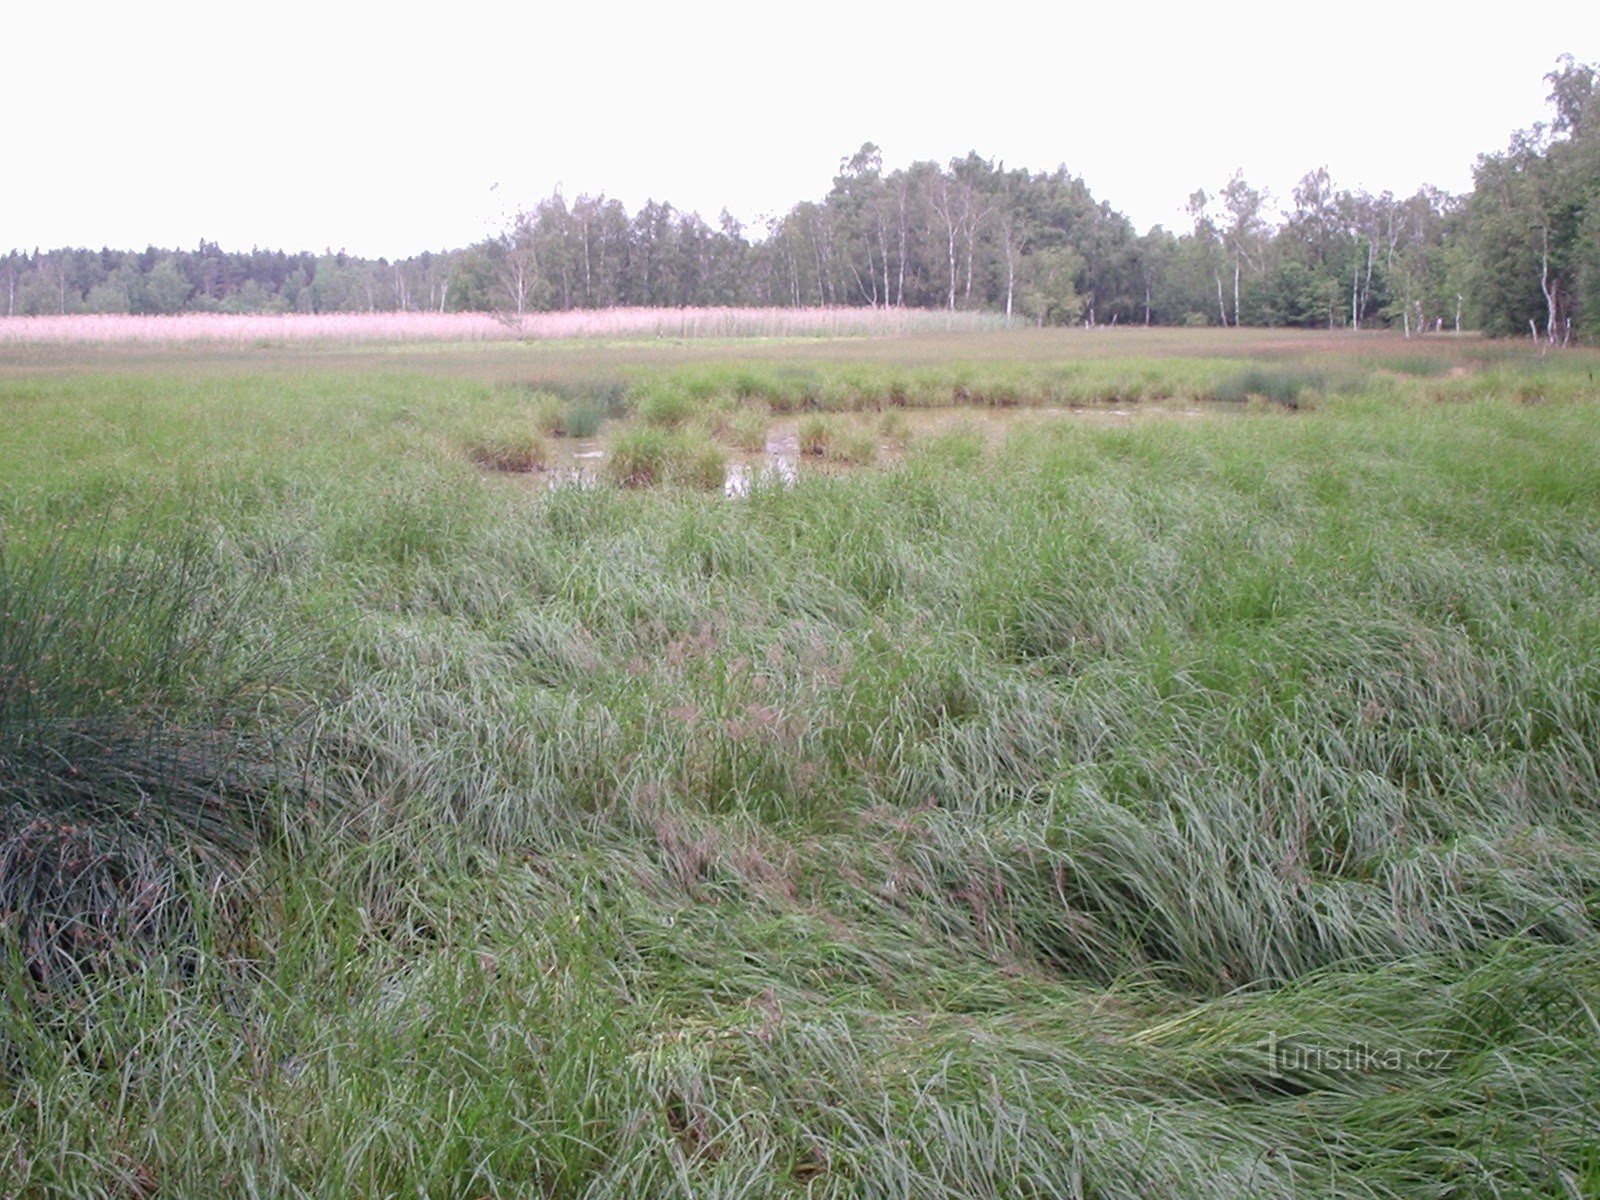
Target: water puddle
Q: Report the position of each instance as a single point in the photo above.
(581, 461)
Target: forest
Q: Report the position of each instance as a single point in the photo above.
(1519, 255)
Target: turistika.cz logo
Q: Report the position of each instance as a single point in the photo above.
(1296, 1054)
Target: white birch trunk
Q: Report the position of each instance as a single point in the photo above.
(1011, 274)
(1548, 290)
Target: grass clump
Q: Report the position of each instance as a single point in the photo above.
(582, 419)
(815, 434)
(851, 441)
(747, 428)
(957, 449)
(666, 405)
(701, 464)
(852, 445)
(894, 429)
(557, 416)
(512, 444)
(136, 771)
(639, 457)
(1287, 386)
(548, 413)
(644, 456)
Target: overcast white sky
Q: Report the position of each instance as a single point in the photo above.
(381, 128)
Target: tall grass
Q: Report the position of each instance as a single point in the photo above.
(646, 455)
(515, 446)
(135, 768)
(987, 824)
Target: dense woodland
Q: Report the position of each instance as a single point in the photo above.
(1520, 254)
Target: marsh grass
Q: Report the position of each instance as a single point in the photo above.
(843, 440)
(666, 405)
(513, 444)
(852, 445)
(1289, 386)
(547, 413)
(136, 770)
(940, 830)
(583, 419)
(639, 457)
(645, 455)
(894, 429)
(702, 464)
(814, 435)
(747, 427)
(555, 416)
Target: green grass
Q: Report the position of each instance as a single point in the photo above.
(582, 419)
(747, 428)
(1197, 807)
(840, 440)
(515, 443)
(665, 404)
(553, 415)
(852, 445)
(646, 455)
(135, 757)
(1290, 387)
(814, 435)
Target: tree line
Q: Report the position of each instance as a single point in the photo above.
(1519, 254)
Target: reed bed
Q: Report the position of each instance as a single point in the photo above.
(247, 329)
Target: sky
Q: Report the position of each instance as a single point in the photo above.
(384, 130)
